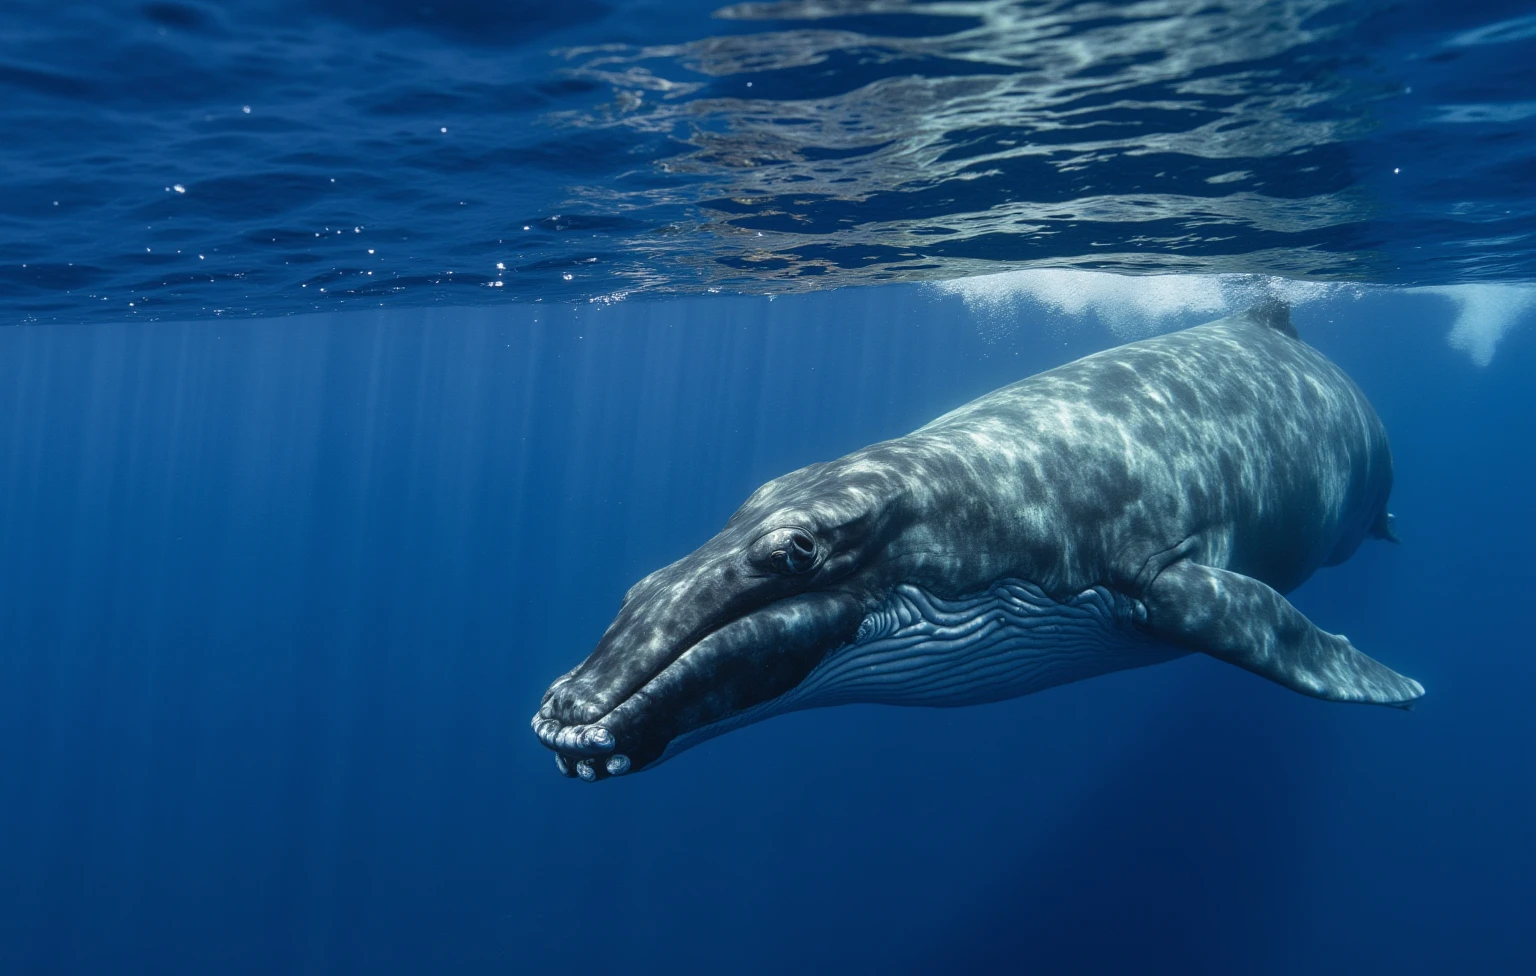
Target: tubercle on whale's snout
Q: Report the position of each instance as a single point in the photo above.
(581, 751)
(617, 742)
(580, 740)
(584, 752)
(591, 770)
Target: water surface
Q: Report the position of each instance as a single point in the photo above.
(171, 160)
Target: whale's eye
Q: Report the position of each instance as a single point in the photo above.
(791, 551)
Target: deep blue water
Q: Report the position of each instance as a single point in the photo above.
(306, 500)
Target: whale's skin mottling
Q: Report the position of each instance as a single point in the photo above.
(1180, 485)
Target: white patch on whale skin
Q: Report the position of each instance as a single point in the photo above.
(1502, 32)
(919, 649)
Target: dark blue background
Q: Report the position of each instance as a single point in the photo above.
(277, 600)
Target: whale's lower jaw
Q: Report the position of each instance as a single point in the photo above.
(1009, 641)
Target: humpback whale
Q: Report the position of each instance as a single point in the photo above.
(1149, 501)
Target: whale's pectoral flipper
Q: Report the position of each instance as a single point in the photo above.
(1240, 620)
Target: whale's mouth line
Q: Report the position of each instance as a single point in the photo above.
(914, 647)
(589, 750)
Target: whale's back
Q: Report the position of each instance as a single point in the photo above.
(1234, 434)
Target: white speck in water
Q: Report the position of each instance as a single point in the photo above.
(443, 129)
(370, 250)
(200, 257)
(500, 266)
(246, 109)
(525, 227)
(567, 276)
(179, 188)
(1396, 169)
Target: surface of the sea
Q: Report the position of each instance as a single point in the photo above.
(361, 355)
(174, 160)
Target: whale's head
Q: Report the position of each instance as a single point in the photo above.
(702, 645)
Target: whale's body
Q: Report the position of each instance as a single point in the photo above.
(1145, 502)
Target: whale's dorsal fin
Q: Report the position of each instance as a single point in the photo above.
(1273, 313)
(1244, 622)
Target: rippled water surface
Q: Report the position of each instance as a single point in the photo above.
(176, 159)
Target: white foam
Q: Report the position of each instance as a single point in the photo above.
(1130, 305)
(1485, 312)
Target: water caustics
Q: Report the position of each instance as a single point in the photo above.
(1136, 138)
(268, 157)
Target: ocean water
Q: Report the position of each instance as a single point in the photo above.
(175, 160)
(311, 487)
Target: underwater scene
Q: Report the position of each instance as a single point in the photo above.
(821, 486)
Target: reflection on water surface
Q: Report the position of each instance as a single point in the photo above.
(174, 160)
